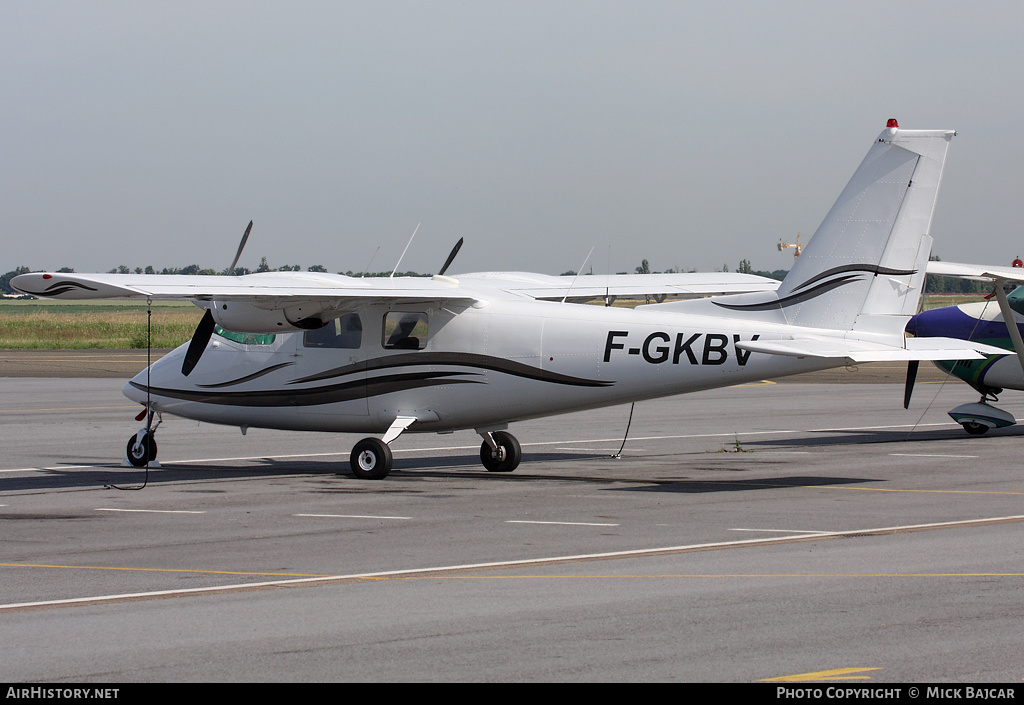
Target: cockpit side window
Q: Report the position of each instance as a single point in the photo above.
(245, 338)
(405, 331)
(345, 332)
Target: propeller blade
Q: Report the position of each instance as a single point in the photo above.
(199, 340)
(911, 378)
(455, 251)
(241, 245)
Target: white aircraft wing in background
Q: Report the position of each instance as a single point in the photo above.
(979, 272)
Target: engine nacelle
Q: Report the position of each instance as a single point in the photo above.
(244, 317)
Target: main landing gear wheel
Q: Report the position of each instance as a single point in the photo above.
(371, 459)
(974, 428)
(141, 450)
(504, 458)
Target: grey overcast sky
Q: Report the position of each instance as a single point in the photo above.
(690, 134)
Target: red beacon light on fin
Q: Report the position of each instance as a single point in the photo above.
(892, 123)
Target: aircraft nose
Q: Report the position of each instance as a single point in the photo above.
(163, 373)
(135, 388)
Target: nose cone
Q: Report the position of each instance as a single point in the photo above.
(165, 373)
(135, 390)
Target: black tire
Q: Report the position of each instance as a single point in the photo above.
(974, 428)
(371, 459)
(507, 458)
(137, 456)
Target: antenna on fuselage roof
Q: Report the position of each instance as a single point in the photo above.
(404, 251)
(578, 274)
(367, 270)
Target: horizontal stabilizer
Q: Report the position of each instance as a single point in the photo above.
(870, 351)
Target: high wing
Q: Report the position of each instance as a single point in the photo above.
(612, 286)
(272, 290)
(266, 302)
(275, 289)
(272, 302)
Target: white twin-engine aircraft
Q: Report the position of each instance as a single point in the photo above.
(308, 351)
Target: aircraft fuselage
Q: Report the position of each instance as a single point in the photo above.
(477, 368)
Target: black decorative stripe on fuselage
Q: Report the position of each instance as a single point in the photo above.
(247, 378)
(58, 288)
(329, 394)
(817, 289)
(367, 386)
(473, 360)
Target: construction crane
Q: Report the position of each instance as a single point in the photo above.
(797, 248)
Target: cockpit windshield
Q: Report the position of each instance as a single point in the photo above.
(245, 338)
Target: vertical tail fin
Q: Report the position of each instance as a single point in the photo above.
(864, 268)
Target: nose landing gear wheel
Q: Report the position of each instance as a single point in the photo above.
(141, 451)
(507, 455)
(371, 459)
(974, 428)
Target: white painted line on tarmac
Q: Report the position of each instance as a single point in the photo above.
(29, 410)
(149, 511)
(558, 523)
(412, 572)
(348, 516)
(785, 531)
